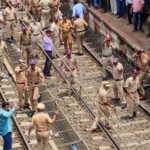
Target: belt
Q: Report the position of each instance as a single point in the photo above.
(133, 92)
(79, 31)
(45, 8)
(42, 130)
(26, 44)
(20, 83)
(11, 20)
(144, 70)
(34, 82)
(36, 34)
(107, 56)
(34, 6)
(118, 79)
(70, 69)
(103, 104)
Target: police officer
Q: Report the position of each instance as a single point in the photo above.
(118, 81)
(103, 105)
(55, 34)
(131, 86)
(143, 65)
(71, 62)
(35, 8)
(41, 121)
(65, 26)
(36, 37)
(33, 75)
(2, 24)
(25, 44)
(20, 82)
(57, 13)
(79, 26)
(107, 56)
(27, 20)
(45, 4)
(53, 4)
(9, 19)
(3, 47)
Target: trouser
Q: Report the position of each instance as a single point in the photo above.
(36, 13)
(129, 15)
(105, 111)
(79, 40)
(97, 3)
(10, 27)
(133, 105)
(113, 4)
(7, 141)
(42, 140)
(142, 76)
(118, 88)
(36, 40)
(48, 62)
(104, 4)
(70, 78)
(121, 7)
(56, 44)
(34, 95)
(89, 2)
(45, 18)
(149, 27)
(21, 91)
(105, 62)
(1, 32)
(1, 64)
(26, 53)
(137, 19)
(52, 14)
(67, 38)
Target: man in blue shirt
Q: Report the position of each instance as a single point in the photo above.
(78, 9)
(6, 124)
(47, 42)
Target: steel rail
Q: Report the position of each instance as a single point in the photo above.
(100, 124)
(26, 145)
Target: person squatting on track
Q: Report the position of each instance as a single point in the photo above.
(6, 124)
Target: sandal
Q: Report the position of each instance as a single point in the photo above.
(21, 108)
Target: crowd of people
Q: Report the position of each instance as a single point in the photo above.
(44, 29)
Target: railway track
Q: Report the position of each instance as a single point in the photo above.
(137, 131)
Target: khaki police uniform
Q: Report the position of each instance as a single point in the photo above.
(142, 74)
(36, 36)
(41, 121)
(26, 3)
(27, 21)
(36, 11)
(132, 85)
(79, 26)
(66, 33)
(2, 47)
(20, 82)
(71, 64)
(26, 46)
(103, 98)
(10, 20)
(1, 24)
(45, 13)
(107, 58)
(55, 29)
(118, 82)
(58, 15)
(54, 3)
(33, 78)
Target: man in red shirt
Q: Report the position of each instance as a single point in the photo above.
(137, 8)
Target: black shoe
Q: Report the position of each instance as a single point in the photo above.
(129, 23)
(129, 117)
(134, 114)
(26, 106)
(104, 78)
(12, 38)
(39, 99)
(124, 106)
(48, 75)
(8, 39)
(31, 113)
